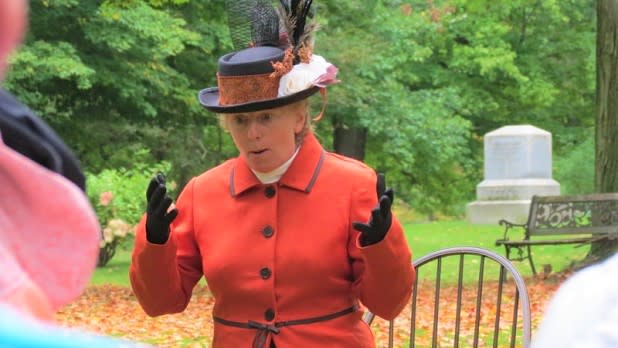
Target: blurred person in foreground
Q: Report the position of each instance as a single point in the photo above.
(584, 311)
(290, 238)
(49, 233)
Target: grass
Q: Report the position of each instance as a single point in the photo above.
(423, 238)
(116, 271)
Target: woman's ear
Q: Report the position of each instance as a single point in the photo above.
(301, 119)
(301, 112)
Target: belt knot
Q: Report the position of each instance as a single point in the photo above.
(264, 327)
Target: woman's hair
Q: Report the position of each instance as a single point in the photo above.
(299, 106)
(303, 106)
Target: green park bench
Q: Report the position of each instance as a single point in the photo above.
(579, 219)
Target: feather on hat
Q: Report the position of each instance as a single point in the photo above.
(273, 64)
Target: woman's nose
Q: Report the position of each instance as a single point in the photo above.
(254, 130)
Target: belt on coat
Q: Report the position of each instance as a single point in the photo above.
(265, 330)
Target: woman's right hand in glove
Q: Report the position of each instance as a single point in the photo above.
(158, 219)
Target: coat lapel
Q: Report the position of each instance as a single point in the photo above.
(305, 169)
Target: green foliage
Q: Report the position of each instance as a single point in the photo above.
(128, 26)
(115, 52)
(118, 196)
(125, 190)
(119, 201)
(116, 78)
(63, 62)
(427, 79)
(415, 132)
(574, 169)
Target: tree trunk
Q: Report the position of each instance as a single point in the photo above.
(606, 134)
(350, 142)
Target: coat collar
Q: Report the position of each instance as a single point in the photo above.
(301, 175)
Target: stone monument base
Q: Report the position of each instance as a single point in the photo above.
(507, 199)
(507, 189)
(490, 212)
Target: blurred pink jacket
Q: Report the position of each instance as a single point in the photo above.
(49, 236)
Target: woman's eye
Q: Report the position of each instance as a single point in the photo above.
(266, 117)
(240, 120)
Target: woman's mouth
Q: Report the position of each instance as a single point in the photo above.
(258, 152)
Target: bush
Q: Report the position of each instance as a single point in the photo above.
(118, 197)
(574, 170)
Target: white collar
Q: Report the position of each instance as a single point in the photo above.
(277, 173)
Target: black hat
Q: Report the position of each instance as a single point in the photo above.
(28, 134)
(279, 68)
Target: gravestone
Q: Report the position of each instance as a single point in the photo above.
(517, 165)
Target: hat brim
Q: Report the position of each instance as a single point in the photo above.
(209, 98)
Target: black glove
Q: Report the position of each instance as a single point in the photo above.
(381, 217)
(157, 218)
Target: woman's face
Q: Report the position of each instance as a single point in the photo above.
(266, 139)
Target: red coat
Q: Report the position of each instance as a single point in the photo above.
(278, 252)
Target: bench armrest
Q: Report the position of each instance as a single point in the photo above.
(510, 225)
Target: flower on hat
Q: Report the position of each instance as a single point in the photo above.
(318, 72)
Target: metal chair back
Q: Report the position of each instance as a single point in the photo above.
(497, 283)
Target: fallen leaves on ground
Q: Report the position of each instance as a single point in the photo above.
(539, 292)
(114, 311)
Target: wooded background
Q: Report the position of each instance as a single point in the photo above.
(421, 83)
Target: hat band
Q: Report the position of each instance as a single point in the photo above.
(248, 88)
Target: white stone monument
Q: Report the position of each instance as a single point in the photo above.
(518, 165)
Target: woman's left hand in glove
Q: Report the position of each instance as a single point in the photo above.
(381, 216)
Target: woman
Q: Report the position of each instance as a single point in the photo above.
(290, 238)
